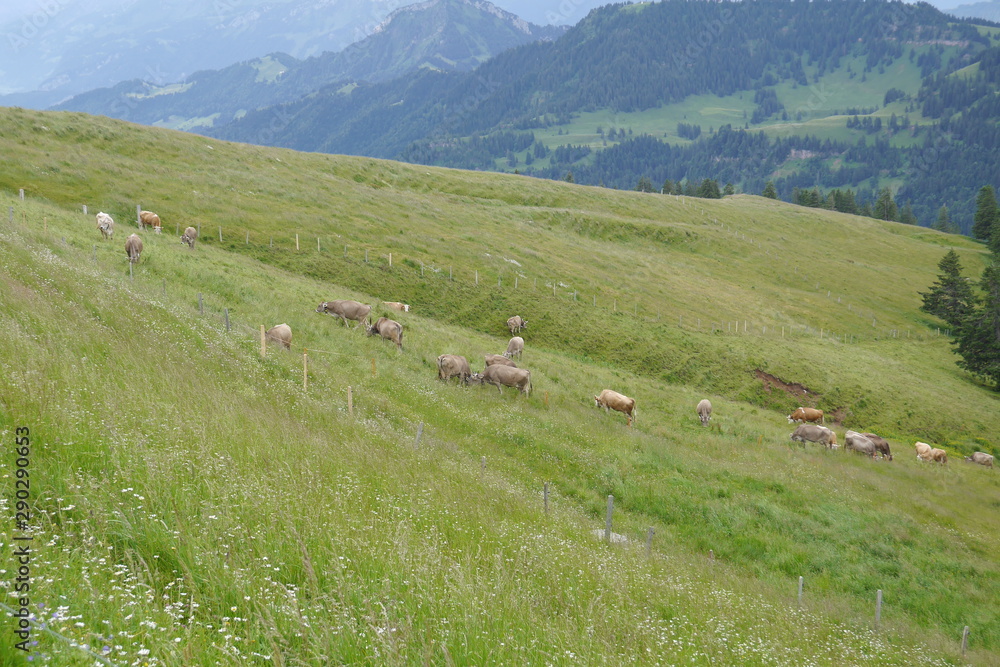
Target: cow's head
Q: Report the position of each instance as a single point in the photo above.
(475, 378)
(321, 308)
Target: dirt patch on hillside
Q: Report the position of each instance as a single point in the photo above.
(772, 382)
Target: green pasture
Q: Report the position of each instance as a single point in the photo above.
(194, 503)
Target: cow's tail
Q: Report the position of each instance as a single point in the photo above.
(528, 393)
(635, 411)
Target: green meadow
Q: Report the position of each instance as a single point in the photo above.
(195, 502)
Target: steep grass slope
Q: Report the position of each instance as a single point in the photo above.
(194, 500)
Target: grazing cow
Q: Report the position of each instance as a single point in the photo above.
(515, 346)
(815, 433)
(494, 359)
(346, 310)
(982, 458)
(881, 445)
(453, 365)
(504, 376)
(388, 329)
(280, 333)
(149, 219)
(190, 234)
(859, 443)
(939, 456)
(923, 451)
(133, 247)
(396, 305)
(106, 225)
(516, 323)
(806, 415)
(615, 401)
(704, 411)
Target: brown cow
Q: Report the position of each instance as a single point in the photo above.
(106, 225)
(515, 346)
(504, 376)
(806, 415)
(923, 451)
(615, 401)
(280, 333)
(396, 305)
(346, 310)
(149, 219)
(190, 234)
(815, 433)
(982, 458)
(133, 248)
(387, 329)
(704, 411)
(939, 456)
(516, 323)
(494, 359)
(859, 443)
(881, 445)
(453, 365)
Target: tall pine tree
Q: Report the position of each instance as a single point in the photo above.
(769, 191)
(951, 297)
(987, 214)
(978, 339)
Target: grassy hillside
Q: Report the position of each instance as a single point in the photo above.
(200, 487)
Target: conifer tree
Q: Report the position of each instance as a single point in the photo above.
(885, 207)
(977, 341)
(951, 297)
(907, 216)
(943, 222)
(770, 191)
(987, 214)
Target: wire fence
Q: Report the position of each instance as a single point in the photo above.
(865, 325)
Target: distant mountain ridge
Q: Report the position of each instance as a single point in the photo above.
(441, 35)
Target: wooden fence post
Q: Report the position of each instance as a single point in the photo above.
(801, 580)
(226, 311)
(373, 367)
(477, 276)
(545, 496)
(965, 640)
(138, 218)
(263, 342)
(21, 194)
(305, 369)
(607, 520)
(878, 607)
(11, 215)
(420, 432)
(649, 542)
(390, 259)
(318, 249)
(296, 241)
(201, 305)
(247, 241)
(350, 402)
(85, 209)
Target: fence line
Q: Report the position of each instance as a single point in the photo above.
(713, 327)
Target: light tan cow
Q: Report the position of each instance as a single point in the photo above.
(806, 415)
(615, 401)
(396, 305)
(388, 330)
(189, 236)
(704, 411)
(982, 458)
(346, 309)
(515, 346)
(280, 333)
(504, 376)
(133, 248)
(939, 456)
(494, 359)
(923, 451)
(149, 219)
(106, 225)
(859, 443)
(453, 365)
(516, 323)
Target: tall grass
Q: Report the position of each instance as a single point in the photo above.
(195, 501)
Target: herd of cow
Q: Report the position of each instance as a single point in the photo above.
(133, 244)
(501, 371)
(869, 444)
